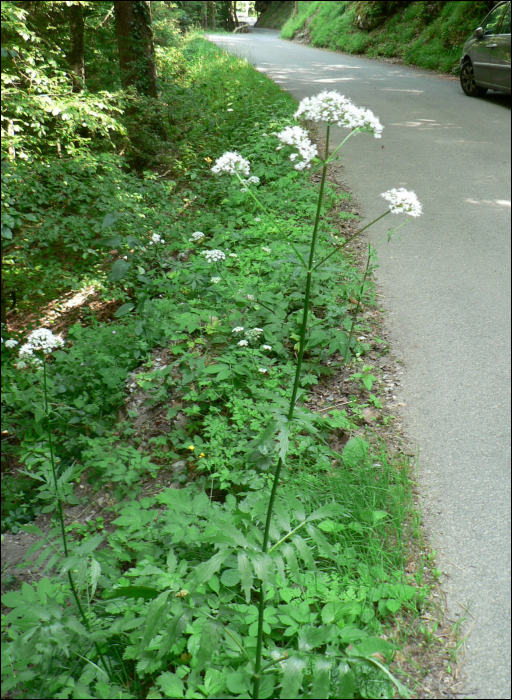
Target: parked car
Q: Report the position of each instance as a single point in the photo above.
(485, 62)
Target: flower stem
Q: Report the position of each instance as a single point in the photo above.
(293, 398)
(62, 527)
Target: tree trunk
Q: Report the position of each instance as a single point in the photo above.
(296, 8)
(76, 46)
(212, 13)
(136, 48)
(234, 12)
(231, 18)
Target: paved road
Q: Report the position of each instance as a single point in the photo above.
(446, 286)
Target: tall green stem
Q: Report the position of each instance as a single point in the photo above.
(293, 398)
(61, 521)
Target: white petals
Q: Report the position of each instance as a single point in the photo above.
(238, 329)
(243, 343)
(403, 202)
(295, 136)
(215, 280)
(11, 343)
(232, 162)
(213, 255)
(155, 238)
(233, 255)
(333, 108)
(42, 339)
(262, 370)
(196, 236)
(266, 347)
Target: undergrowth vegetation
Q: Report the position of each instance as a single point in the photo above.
(425, 34)
(161, 596)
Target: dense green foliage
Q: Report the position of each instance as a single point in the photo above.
(426, 34)
(157, 597)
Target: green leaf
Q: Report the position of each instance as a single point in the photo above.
(119, 270)
(292, 677)
(346, 681)
(6, 232)
(210, 638)
(355, 452)
(267, 685)
(112, 242)
(124, 309)
(110, 219)
(205, 571)
(171, 685)
(132, 592)
(322, 679)
(230, 577)
(246, 576)
(239, 682)
(155, 618)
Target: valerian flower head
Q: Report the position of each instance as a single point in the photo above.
(196, 236)
(215, 280)
(213, 255)
(298, 137)
(155, 238)
(263, 370)
(403, 202)
(333, 108)
(243, 343)
(11, 343)
(265, 249)
(266, 347)
(254, 333)
(233, 255)
(40, 340)
(232, 162)
(238, 329)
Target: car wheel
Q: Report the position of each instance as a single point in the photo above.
(467, 81)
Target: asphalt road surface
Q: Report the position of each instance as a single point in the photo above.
(446, 286)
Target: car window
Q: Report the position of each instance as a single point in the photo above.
(492, 21)
(505, 25)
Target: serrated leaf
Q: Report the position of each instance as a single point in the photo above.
(304, 551)
(246, 576)
(292, 677)
(205, 571)
(210, 638)
(239, 682)
(263, 565)
(291, 560)
(119, 270)
(155, 618)
(346, 681)
(171, 684)
(321, 679)
(267, 685)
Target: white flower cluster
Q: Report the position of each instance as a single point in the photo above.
(403, 202)
(243, 343)
(298, 137)
(233, 255)
(262, 370)
(265, 249)
(254, 333)
(238, 329)
(40, 340)
(215, 280)
(253, 180)
(213, 255)
(10, 343)
(196, 237)
(232, 162)
(155, 238)
(333, 108)
(266, 347)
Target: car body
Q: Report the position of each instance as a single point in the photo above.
(485, 62)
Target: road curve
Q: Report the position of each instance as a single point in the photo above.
(446, 286)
